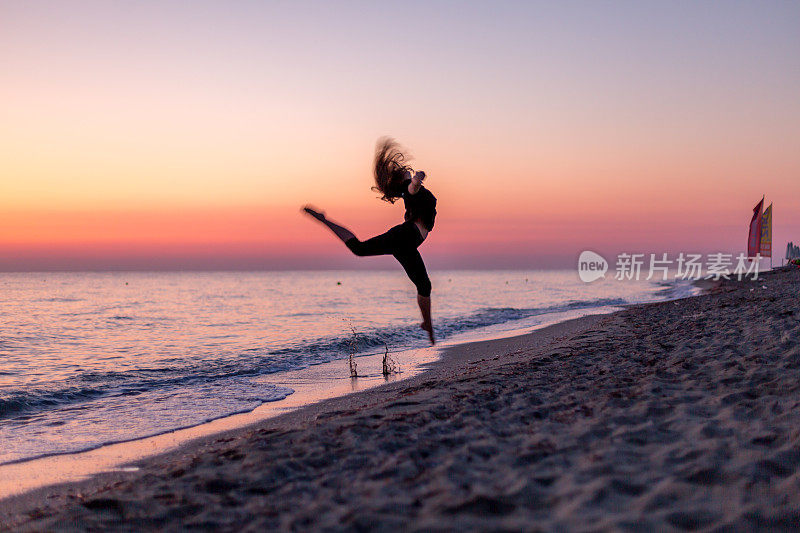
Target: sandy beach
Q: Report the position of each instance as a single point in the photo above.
(680, 415)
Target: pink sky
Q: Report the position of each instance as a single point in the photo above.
(163, 135)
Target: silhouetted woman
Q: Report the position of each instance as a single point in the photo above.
(395, 179)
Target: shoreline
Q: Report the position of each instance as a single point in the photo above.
(311, 385)
(114, 460)
(663, 397)
(452, 358)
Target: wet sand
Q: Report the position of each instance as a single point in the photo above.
(679, 415)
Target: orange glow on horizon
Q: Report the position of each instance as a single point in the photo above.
(543, 129)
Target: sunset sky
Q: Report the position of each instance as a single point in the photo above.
(188, 134)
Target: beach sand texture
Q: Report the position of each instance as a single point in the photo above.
(681, 415)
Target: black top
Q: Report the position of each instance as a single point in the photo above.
(420, 206)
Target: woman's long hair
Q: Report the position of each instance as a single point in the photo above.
(389, 168)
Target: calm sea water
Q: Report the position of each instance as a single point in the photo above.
(93, 358)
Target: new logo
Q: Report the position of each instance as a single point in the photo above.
(591, 266)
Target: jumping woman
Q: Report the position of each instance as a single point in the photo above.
(395, 179)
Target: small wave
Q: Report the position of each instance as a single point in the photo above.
(149, 414)
(20, 402)
(98, 385)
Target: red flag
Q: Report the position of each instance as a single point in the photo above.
(754, 239)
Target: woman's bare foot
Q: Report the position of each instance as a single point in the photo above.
(427, 326)
(319, 215)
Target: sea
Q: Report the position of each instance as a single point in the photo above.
(92, 358)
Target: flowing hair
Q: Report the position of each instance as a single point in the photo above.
(389, 168)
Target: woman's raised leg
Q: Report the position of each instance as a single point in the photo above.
(383, 244)
(340, 231)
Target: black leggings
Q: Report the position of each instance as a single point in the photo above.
(401, 242)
